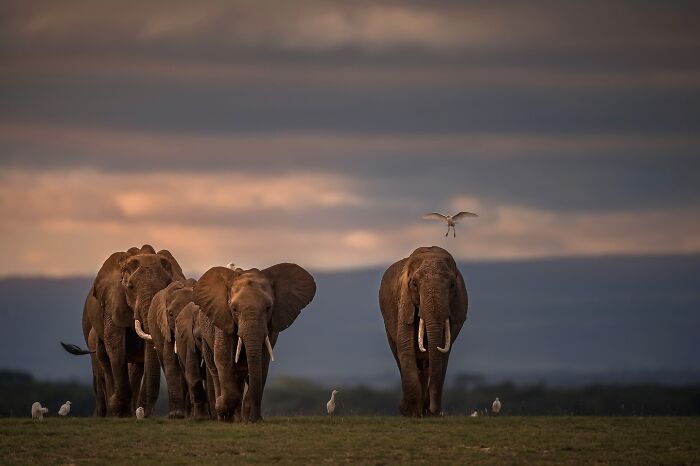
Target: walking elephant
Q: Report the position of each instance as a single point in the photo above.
(423, 293)
(242, 313)
(123, 288)
(188, 341)
(157, 327)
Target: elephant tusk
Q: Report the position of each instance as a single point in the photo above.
(448, 338)
(238, 350)
(269, 348)
(421, 331)
(175, 345)
(140, 332)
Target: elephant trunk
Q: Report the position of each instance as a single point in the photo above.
(254, 354)
(437, 344)
(253, 341)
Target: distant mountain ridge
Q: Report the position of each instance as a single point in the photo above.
(550, 320)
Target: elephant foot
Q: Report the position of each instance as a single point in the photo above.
(176, 414)
(119, 407)
(200, 411)
(410, 409)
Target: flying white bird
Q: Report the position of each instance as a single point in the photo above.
(330, 406)
(140, 413)
(65, 409)
(38, 411)
(451, 220)
(496, 406)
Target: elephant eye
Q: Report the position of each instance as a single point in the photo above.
(130, 285)
(452, 285)
(413, 283)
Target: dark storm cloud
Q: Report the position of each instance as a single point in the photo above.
(568, 125)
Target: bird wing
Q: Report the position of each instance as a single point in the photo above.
(435, 216)
(463, 215)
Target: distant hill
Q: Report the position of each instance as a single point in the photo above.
(561, 321)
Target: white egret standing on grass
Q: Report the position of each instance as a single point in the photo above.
(65, 409)
(330, 406)
(496, 406)
(140, 413)
(451, 220)
(38, 411)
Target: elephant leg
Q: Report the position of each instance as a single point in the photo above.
(98, 382)
(435, 389)
(423, 376)
(411, 403)
(115, 344)
(211, 393)
(195, 386)
(105, 371)
(171, 366)
(135, 380)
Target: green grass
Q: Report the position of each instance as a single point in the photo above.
(363, 440)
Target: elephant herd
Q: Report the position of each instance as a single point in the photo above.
(214, 337)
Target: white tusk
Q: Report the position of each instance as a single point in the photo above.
(201, 364)
(140, 332)
(448, 338)
(421, 331)
(238, 349)
(269, 348)
(175, 347)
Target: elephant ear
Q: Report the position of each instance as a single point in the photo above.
(157, 314)
(93, 313)
(185, 323)
(293, 288)
(211, 295)
(407, 309)
(128, 265)
(174, 268)
(460, 303)
(161, 312)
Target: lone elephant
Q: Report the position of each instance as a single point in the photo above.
(423, 293)
(242, 313)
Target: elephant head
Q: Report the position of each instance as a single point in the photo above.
(165, 307)
(143, 275)
(250, 305)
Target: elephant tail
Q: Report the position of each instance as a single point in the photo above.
(74, 349)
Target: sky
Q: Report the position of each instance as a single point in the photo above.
(319, 132)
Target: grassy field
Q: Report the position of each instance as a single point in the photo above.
(364, 440)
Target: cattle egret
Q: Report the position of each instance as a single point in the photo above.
(140, 413)
(451, 220)
(38, 411)
(496, 406)
(474, 414)
(231, 266)
(65, 409)
(330, 406)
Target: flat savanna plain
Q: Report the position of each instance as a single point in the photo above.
(355, 440)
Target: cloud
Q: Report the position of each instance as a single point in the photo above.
(69, 222)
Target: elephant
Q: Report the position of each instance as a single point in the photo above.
(242, 314)
(158, 329)
(123, 288)
(424, 292)
(188, 341)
